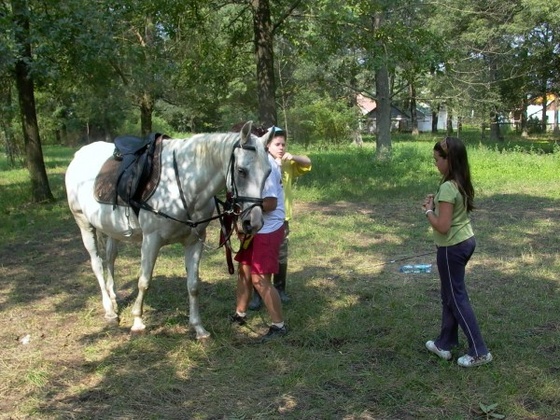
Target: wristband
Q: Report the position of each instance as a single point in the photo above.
(428, 211)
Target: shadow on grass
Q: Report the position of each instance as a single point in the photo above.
(355, 347)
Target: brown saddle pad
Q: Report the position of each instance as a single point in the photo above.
(106, 180)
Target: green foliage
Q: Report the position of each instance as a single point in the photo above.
(94, 62)
(489, 411)
(321, 120)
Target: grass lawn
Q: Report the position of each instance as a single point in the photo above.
(355, 349)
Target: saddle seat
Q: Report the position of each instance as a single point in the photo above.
(125, 145)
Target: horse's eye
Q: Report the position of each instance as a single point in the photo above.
(242, 172)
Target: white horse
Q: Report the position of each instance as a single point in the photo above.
(193, 171)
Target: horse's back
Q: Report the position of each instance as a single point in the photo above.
(82, 171)
(88, 160)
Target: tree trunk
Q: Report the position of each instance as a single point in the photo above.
(449, 123)
(524, 128)
(40, 189)
(383, 110)
(263, 32)
(543, 112)
(435, 120)
(383, 100)
(556, 130)
(6, 115)
(146, 110)
(413, 113)
(495, 133)
(483, 130)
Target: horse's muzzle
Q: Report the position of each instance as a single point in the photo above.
(252, 221)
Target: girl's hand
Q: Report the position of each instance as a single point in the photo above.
(428, 203)
(287, 156)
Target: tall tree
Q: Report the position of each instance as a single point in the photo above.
(264, 54)
(362, 44)
(265, 26)
(40, 189)
(382, 91)
(481, 47)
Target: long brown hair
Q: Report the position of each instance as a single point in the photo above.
(453, 149)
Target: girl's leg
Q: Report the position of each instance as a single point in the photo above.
(244, 287)
(451, 264)
(269, 295)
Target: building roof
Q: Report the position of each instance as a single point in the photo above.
(365, 104)
(368, 107)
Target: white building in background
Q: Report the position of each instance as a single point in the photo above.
(534, 111)
(424, 115)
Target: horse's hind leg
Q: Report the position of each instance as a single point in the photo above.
(89, 238)
(111, 252)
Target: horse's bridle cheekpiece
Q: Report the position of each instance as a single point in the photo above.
(235, 199)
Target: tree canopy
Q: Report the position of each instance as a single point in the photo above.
(102, 68)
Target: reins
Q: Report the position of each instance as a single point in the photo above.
(228, 224)
(231, 206)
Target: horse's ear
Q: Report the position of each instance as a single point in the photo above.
(246, 132)
(267, 137)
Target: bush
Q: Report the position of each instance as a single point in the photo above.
(322, 120)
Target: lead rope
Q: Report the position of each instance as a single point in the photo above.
(226, 222)
(228, 225)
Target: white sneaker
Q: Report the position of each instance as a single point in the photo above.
(469, 361)
(444, 354)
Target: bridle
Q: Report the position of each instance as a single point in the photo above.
(233, 198)
(231, 209)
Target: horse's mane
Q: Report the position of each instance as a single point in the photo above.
(218, 145)
(257, 130)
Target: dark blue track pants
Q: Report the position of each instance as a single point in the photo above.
(456, 307)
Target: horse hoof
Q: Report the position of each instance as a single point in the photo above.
(112, 321)
(138, 329)
(202, 334)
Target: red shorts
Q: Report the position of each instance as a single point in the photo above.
(262, 253)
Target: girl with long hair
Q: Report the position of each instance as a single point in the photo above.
(448, 214)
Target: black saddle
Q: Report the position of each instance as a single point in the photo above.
(131, 145)
(136, 157)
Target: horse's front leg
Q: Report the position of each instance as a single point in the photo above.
(193, 253)
(150, 250)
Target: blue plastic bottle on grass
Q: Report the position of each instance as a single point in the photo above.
(416, 268)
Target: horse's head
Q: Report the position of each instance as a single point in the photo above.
(249, 170)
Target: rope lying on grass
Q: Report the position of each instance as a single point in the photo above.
(403, 258)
